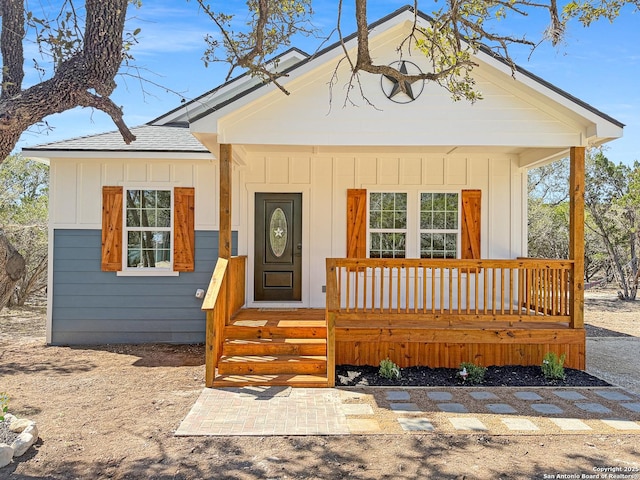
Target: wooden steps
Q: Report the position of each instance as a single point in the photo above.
(274, 348)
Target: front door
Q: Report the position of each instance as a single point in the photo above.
(278, 247)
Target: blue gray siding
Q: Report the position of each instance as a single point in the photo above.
(95, 307)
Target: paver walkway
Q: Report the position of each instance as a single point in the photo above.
(308, 411)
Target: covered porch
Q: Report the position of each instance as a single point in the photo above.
(431, 312)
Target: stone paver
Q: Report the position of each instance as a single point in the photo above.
(404, 407)
(569, 395)
(612, 395)
(468, 423)
(303, 411)
(453, 408)
(622, 424)
(532, 396)
(483, 395)
(500, 408)
(634, 407)
(398, 395)
(592, 407)
(570, 424)
(265, 411)
(440, 396)
(515, 423)
(546, 408)
(416, 424)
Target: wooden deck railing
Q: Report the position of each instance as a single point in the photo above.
(530, 290)
(224, 297)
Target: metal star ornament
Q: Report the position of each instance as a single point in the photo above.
(392, 88)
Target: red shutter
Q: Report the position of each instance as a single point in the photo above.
(471, 224)
(184, 241)
(356, 223)
(111, 229)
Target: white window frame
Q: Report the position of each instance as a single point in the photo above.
(147, 271)
(456, 231)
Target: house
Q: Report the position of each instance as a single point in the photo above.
(325, 234)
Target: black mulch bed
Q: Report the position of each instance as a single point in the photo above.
(510, 376)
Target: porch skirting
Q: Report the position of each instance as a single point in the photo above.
(448, 346)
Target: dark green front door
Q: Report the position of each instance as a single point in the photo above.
(278, 247)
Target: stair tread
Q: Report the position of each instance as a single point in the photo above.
(259, 341)
(293, 380)
(273, 358)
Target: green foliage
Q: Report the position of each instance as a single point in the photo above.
(24, 189)
(612, 202)
(553, 366)
(389, 370)
(4, 405)
(472, 373)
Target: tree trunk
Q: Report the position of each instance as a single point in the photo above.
(12, 269)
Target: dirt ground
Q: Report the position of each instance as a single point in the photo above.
(110, 412)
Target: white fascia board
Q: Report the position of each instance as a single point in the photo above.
(594, 124)
(226, 91)
(46, 155)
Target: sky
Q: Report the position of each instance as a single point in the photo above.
(599, 65)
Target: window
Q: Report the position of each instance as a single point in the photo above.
(148, 228)
(439, 225)
(387, 225)
(150, 232)
(414, 224)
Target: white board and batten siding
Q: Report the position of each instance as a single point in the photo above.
(324, 178)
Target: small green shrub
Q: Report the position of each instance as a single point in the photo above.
(472, 373)
(553, 366)
(389, 370)
(4, 405)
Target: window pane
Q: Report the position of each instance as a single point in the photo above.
(388, 220)
(452, 202)
(149, 198)
(451, 222)
(375, 201)
(438, 220)
(134, 240)
(133, 218)
(388, 201)
(439, 202)
(163, 199)
(134, 257)
(426, 202)
(148, 218)
(163, 218)
(400, 220)
(133, 198)
(375, 219)
(401, 202)
(426, 220)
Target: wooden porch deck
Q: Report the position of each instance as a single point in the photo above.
(414, 312)
(289, 347)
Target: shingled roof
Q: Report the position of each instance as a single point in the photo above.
(149, 138)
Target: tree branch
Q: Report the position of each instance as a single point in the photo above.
(13, 33)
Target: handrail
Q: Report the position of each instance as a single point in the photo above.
(215, 304)
(224, 297)
(520, 289)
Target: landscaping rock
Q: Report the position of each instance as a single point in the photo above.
(20, 424)
(24, 441)
(6, 454)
